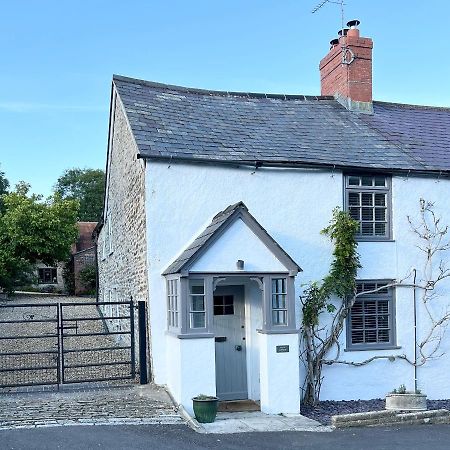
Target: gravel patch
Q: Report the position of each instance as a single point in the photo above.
(326, 409)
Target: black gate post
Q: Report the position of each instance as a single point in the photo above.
(143, 369)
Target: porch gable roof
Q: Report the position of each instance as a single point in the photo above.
(217, 227)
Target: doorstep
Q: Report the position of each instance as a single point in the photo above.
(252, 421)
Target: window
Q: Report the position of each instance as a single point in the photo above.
(172, 303)
(279, 305)
(197, 311)
(223, 305)
(368, 202)
(47, 275)
(371, 319)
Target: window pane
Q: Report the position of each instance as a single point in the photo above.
(279, 301)
(380, 214)
(353, 181)
(380, 181)
(366, 199)
(197, 303)
(353, 199)
(357, 337)
(354, 213)
(229, 309)
(383, 335)
(367, 229)
(380, 229)
(279, 317)
(197, 320)
(380, 199)
(367, 214)
(366, 181)
(197, 290)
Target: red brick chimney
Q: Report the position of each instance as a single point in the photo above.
(346, 72)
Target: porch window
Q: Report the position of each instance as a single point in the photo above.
(279, 303)
(197, 310)
(172, 303)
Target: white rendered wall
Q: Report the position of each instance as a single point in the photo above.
(182, 199)
(394, 260)
(190, 371)
(293, 206)
(238, 242)
(280, 391)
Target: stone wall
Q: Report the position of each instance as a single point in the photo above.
(122, 250)
(80, 261)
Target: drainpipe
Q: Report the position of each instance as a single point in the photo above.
(415, 332)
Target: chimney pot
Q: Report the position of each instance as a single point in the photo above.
(353, 23)
(343, 32)
(334, 42)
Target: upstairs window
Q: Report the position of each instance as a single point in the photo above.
(370, 324)
(367, 199)
(47, 275)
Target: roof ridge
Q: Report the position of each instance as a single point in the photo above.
(411, 105)
(211, 92)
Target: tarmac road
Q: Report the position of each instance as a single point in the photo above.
(180, 437)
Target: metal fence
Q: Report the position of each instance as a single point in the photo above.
(59, 343)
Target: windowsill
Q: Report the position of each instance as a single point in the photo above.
(179, 335)
(375, 347)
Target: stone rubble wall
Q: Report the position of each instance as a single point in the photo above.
(123, 266)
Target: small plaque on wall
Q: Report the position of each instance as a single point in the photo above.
(282, 348)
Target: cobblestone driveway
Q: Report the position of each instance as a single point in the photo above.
(117, 405)
(41, 323)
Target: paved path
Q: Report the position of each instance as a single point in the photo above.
(115, 405)
(175, 437)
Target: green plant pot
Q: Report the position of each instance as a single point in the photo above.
(205, 410)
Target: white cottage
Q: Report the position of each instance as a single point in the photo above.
(213, 211)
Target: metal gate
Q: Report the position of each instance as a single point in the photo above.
(59, 343)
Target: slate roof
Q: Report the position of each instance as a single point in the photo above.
(214, 229)
(193, 124)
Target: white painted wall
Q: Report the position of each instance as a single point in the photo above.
(280, 391)
(238, 242)
(293, 206)
(200, 379)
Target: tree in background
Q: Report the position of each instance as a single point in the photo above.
(88, 276)
(4, 185)
(33, 230)
(85, 185)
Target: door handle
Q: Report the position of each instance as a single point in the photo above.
(238, 348)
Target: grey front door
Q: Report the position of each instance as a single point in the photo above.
(229, 329)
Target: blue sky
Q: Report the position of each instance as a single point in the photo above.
(58, 57)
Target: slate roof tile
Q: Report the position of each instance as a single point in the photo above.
(178, 122)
